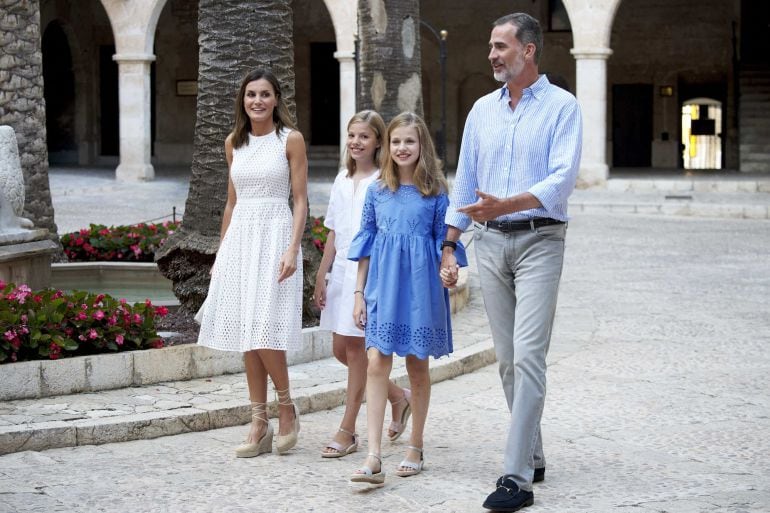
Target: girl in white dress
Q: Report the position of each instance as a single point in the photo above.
(335, 299)
(254, 304)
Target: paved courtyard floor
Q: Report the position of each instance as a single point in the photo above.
(658, 401)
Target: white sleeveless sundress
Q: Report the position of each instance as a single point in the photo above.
(246, 308)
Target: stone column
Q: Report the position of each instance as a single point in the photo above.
(591, 88)
(134, 101)
(347, 93)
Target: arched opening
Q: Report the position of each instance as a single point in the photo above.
(702, 133)
(317, 89)
(59, 94)
(656, 68)
(174, 84)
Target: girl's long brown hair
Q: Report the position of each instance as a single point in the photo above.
(242, 125)
(428, 175)
(375, 122)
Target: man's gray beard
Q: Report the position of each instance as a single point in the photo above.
(501, 76)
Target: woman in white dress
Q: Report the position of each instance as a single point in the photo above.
(254, 304)
(335, 299)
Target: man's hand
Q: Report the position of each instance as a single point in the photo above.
(449, 269)
(486, 208)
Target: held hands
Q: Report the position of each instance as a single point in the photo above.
(288, 264)
(359, 311)
(449, 270)
(486, 208)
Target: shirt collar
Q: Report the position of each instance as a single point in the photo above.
(537, 89)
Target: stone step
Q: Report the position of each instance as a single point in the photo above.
(748, 83)
(197, 405)
(755, 96)
(323, 152)
(748, 137)
(756, 148)
(760, 167)
(755, 157)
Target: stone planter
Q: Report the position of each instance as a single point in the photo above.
(44, 378)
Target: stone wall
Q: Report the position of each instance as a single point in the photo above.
(21, 102)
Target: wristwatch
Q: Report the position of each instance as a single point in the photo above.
(448, 244)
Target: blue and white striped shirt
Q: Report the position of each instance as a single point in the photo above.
(534, 148)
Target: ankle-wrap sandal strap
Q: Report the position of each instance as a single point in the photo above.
(284, 397)
(259, 412)
(342, 430)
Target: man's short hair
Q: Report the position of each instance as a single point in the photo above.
(527, 30)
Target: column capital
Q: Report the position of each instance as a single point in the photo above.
(592, 52)
(344, 55)
(133, 57)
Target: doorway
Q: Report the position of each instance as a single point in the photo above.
(702, 134)
(324, 95)
(59, 94)
(632, 125)
(755, 32)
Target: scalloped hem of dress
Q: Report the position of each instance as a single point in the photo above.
(405, 354)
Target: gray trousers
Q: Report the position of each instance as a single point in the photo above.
(519, 274)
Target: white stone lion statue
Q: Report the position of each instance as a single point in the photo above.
(11, 184)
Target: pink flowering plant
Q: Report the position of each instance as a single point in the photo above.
(318, 232)
(134, 243)
(51, 324)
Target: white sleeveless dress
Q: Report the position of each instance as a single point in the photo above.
(246, 308)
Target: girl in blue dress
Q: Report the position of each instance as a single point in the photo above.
(399, 299)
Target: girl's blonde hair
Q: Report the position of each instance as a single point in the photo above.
(375, 122)
(428, 175)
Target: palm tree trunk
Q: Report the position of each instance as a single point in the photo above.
(235, 36)
(389, 69)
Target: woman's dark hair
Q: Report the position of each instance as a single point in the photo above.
(242, 125)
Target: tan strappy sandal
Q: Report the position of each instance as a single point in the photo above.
(366, 475)
(265, 444)
(413, 468)
(286, 442)
(398, 426)
(341, 450)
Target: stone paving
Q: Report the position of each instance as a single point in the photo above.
(657, 401)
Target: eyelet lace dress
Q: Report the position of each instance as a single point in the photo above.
(407, 308)
(246, 308)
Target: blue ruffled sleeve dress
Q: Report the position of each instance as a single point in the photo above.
(407, 306)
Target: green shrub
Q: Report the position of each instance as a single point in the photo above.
(50, 324)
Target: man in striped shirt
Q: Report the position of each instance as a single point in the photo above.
(518, 164)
